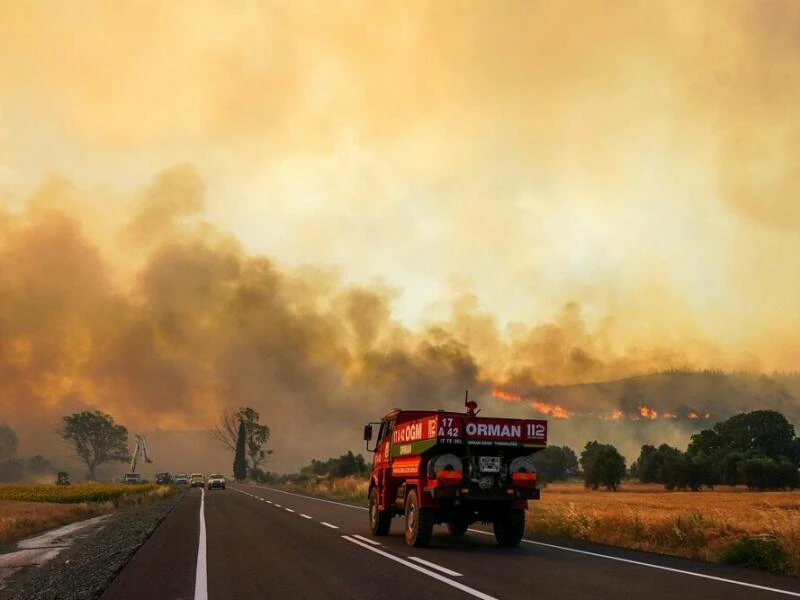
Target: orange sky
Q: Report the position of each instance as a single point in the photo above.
(476, 165)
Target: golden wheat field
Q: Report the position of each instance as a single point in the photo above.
(84, 492)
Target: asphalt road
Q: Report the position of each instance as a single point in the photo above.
(250, 542)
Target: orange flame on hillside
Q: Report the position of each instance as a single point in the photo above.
(553, 410)
(648, 413)
(505, 396)
(692, 415)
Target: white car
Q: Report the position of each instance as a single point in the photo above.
(215, 481)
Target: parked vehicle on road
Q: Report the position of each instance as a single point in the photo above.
(163, 478)
(197, 480)
(181, 479)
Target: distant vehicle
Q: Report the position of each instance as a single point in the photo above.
(215, 481)
(197, 480)
(163, 478)
(131, 478)
(181, 479)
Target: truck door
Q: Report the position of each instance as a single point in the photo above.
(384, 444)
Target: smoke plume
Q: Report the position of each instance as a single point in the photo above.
(325, 212)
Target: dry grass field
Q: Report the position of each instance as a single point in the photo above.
(19, 520)
(698, 525)
(26, 510)
(690, 524)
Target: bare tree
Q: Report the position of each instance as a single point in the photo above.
(226, 432)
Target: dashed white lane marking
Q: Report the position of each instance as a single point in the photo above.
(444, 570)
(434, 575)
(312, 498)
(364, 539)
(278, 506)
(288, 510)
(654, 566)
(305, 516)
(268, 501)
(201, 572)
(329, 525)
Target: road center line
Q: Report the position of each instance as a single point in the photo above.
(654, 566)
(278, 506)
(364, 539)
(305, 516)
(201, 573)
(329, 525)
(444, 570)
(288, 510)
(410, 565)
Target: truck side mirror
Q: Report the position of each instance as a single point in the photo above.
(367, 433)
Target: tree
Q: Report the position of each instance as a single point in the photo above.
(764, 431)
(8, 442)
(256, 434)
(602, 464)
(240, 460)
(96, 438)
(556, 463)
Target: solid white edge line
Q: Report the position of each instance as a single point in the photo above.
(659, 567)
(201, 574)
(364, 539)
(436, 576)
(329, 525)
(305, 516)
(434, 566)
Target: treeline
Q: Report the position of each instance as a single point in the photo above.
(758, 449)
(343, 466)
(17, 468)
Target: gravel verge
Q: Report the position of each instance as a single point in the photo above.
(84, 570)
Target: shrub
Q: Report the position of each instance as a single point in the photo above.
(763, 553)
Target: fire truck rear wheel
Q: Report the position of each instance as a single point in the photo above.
(419, 522)
(380, 521)
(509, 527)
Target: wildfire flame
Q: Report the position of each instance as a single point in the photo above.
(559, 412)
(555, 411)
(505, 396)
(648, 413)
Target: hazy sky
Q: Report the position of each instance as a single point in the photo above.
(641, 159)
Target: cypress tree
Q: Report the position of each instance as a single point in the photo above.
(240, 460)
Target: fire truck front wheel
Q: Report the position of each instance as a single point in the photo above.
(379, 520)
(419, 522)
(509, 527)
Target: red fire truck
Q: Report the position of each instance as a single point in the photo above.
(455, 468)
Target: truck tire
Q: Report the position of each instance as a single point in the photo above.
(509, 527)
(457, 526)
(419, 522)
(380, 521)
